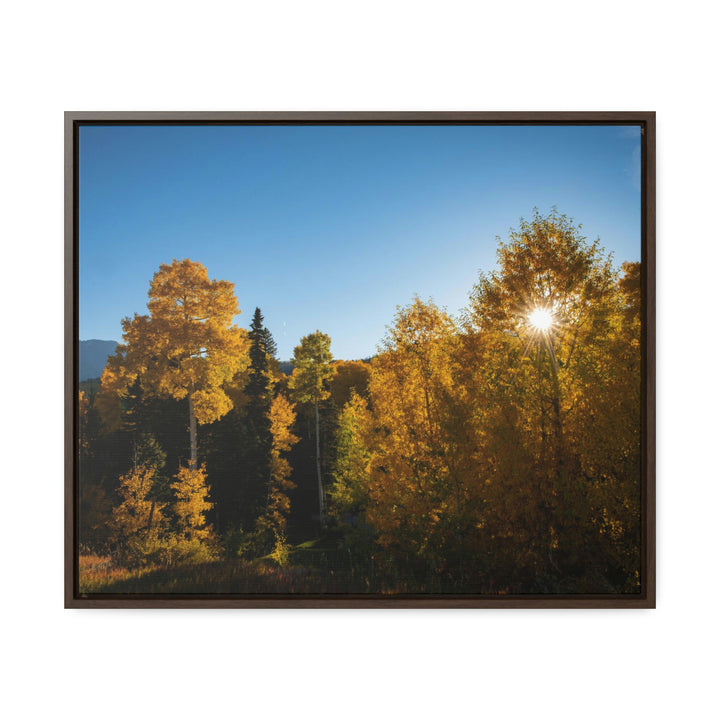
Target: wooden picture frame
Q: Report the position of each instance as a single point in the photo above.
(645, 595)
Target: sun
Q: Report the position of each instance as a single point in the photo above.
(541, 319)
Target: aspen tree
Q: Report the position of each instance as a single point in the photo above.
(187, 347)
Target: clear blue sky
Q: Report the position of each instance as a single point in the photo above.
(331, 227)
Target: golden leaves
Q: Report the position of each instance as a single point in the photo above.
(138, 516)
(282, 417)
(188, 343)
(210, 405)
(190, 504)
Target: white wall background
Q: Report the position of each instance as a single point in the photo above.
(325, 55)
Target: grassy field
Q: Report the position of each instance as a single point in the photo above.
(314, 567)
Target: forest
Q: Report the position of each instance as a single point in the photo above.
(495, 452)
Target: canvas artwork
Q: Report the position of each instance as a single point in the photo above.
(360, 360)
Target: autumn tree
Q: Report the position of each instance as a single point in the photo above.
(608, 440)
(550, 310)
(349, 491)
(551, 292)
(138, 521)
(187, 347)
(502, 454)
(274, 518)
(83, 411)
(418, 495)
(351, 377)
(350, 472)
(312, 360)
(195, 540)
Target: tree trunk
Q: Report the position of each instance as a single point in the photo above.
(556, 416)
(555, 401)
(193, 432)
(317, 459)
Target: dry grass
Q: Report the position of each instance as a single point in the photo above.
(97, 572)
(98, 575)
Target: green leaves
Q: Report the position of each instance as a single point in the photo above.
(312, 360)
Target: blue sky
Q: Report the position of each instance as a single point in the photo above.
(332, 227)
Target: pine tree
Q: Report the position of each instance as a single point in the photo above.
(258, 436)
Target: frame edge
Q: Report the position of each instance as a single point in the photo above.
(70, 288)
(72, 119)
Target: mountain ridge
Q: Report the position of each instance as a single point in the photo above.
(92, 357)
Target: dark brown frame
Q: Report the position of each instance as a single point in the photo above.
(645, 599)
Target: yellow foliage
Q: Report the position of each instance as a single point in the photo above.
(505, 442)
(83, 407)
(188, 344)
(413, 478)
(210, 405)
(281, 551)
(113, 387)
(282, 417)
(137, 512)
(350, 376)
(138, 521)
(83, 404)
(190, 504)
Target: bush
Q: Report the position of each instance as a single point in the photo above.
(281, 551)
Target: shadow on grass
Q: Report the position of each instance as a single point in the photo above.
(241, 577)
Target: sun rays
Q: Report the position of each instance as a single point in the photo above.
(541, 319)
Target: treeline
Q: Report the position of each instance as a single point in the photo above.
(498, 452)
(198, 444)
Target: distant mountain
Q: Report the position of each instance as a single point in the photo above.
(94, 354)
(286, 367)
(92, 357)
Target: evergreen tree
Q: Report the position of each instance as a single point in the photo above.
(262, 348)
(258, 441)
(270, 344)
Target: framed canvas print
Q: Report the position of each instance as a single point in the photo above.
(360, 359)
